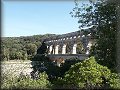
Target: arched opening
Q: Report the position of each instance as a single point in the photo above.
(56, 49)
(80, 48)
(64, 49)
(50, 49)
(74, 49)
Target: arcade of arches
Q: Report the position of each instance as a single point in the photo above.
(71, 43)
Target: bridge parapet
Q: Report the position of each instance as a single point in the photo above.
(61, 43)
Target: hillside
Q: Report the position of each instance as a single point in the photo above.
(23, 47)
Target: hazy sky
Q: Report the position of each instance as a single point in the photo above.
(20, 18)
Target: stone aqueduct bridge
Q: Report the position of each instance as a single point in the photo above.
(58, 47)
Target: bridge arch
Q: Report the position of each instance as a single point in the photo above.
(68, 43)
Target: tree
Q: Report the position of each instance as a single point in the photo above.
(13, 53)
(25, 82)
(27, 44)
(18, 55)
(88, 74)
(103, 16)
(5, 53)
(42, 49)
(31, 49)
(37, 43)
(25, 56)
(80, 48)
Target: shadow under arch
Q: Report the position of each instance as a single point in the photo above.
(41, 62)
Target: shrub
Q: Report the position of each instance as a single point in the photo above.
(40, 83)
(114, 81)
(7, 81)
(25, 82)
(90, 75)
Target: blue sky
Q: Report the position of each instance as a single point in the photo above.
(28, 18)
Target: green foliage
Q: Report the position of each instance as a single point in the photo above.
(66, 66)
(103, 16)
(41, 83)
(25, 82)
(21, 47)
(7, 81)
(80, 48)
(114, 81)
(105, 49)
(5, 54)
(58, 83)
(31, 49)
(89, 74)
(25, 56)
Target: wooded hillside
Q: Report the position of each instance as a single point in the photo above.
(23, 47)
